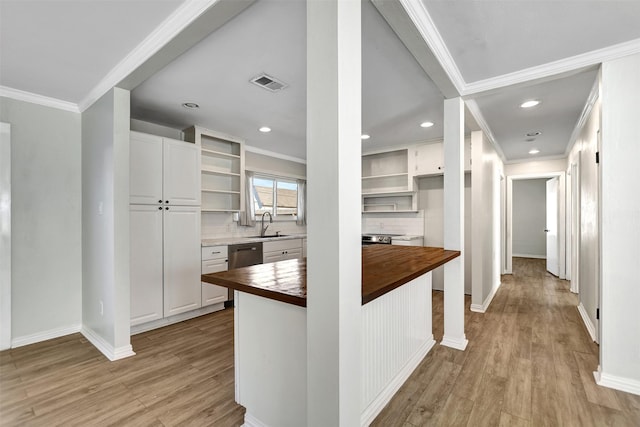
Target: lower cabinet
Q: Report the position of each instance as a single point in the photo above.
(164, 261)
(214, 259)
(281, 250)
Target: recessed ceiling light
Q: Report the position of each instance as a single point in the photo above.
(536, 133)
(426, 124)
(265, 129)
(365, 136)
(530, 103)
(534, 151)
(191, 105)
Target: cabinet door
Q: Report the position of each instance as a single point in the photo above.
(145, 241)
(292, 254)
(181, 178)
(429, 159)
(182, 285)
(274, 256)
(213, 294)
(145, 168)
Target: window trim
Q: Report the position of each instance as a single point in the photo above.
(275, 178)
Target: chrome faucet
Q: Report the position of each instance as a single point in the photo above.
(264, 229)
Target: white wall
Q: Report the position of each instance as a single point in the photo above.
(486, 169)
(46, 221)
(529, 218)
(431, 201)
(274, 165)
(620, 233)
(536, 167)
(105, 225)
(583, 155)
(155, 129)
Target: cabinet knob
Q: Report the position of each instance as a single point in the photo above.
(160, 207)
(159, 201)
(167, 208)
(166, 201)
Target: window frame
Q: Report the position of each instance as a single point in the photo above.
(275, 179)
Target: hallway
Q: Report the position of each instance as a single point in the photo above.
(529, 362)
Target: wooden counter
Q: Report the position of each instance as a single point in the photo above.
(384, 268)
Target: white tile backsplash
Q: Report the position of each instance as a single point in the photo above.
(394, 223)
(217, 225)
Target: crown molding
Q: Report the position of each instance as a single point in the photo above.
(420, 17)
(561, 66)
(584, 116)
(184, 15)
(474, 109)
(34, 98)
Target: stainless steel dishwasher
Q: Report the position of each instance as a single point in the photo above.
(244, 255)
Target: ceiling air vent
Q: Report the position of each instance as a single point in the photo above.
(269, 83)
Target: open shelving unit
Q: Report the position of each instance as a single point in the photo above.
(386, 183)
(222, 169)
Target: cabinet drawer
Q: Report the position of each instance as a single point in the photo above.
(282, 245)
(214, 265)
(214, 252)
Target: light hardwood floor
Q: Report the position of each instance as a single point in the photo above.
(529, 362)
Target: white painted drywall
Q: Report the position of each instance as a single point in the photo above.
(431, 202)
(583, 154)
(620, 233)
(273, 165)
(486, 169)
(529, 218)
(334, 225)
(5, 236)
(46, 220)
(156, 129)
(105, 221)
(536, 167)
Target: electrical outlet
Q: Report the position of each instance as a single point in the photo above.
(101, 308)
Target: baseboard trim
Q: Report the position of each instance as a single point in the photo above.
(251, 421)
(487, 301)
(45, 335)
(110, 352)
(587, 322)
(615, 382)
(155, 324)
(457, 343)
(378, 404)
(529, 256)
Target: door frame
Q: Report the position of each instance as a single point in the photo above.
(5, 236)
(561, 218)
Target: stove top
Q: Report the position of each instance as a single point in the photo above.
(379, 238)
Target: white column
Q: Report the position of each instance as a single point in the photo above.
(334, 182)
(620, 226)
(454, 223)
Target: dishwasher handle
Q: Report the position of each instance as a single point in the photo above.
(253, 248)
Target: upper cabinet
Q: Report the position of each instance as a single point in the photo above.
(163, 170)
(387, 185)
(429, 158)
(222, 169)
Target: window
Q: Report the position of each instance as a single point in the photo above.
(275, 191)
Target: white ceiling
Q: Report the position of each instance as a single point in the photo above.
(63, 49)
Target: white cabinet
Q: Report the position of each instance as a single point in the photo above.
(429, 158)
(182, 285)
(146, 266)
(222, 169)
(164, 266)
(387, 185)
(408, 242)
(281, 250)
(163, 171)
(214, 259)
(164, 227)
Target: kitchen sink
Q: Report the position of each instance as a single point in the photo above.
(268, 236)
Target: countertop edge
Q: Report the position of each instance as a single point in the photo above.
(225, 241)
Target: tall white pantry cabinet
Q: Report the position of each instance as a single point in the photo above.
(164, 227)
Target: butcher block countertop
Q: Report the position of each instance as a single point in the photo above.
(384, 268)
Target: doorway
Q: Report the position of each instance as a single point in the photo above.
(533, 244)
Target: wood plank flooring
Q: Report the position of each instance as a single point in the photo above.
(181, 375)
(529, 363)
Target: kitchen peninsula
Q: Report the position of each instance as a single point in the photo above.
(270, 330)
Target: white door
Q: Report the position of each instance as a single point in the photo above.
(145, 239)
(181, 173)
(214, 294)
(182, 252)
(145, 170)
(552, 227)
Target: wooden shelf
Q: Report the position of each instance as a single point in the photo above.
(207, 190)
(385, 176)
(398, 211)
(219, 153)
(389, 193)
(219, 210)
(219, 172)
